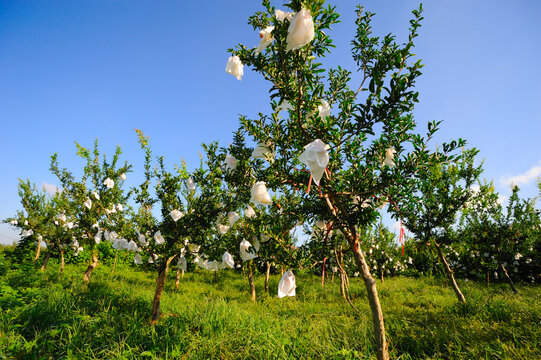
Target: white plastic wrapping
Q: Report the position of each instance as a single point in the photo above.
(286, 286)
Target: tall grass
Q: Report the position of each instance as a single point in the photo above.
(45, 316)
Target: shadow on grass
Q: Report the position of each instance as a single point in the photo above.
(109, 319)
(59, 323)
(457, 330)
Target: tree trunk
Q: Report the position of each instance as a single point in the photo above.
(373, 298)
(508, 278)
(46, 261)
(323, 273)
(61, 261)
(251, 279)
(449, 272)
(488, 278)
(369, 283)
(182, 275)
(332, 278)
(382, 276)
(343, 276)
(160, 281)
(343, 285)
(38, 250)
(114, 263)
(267, 275)
(91, 266)
(177, 282)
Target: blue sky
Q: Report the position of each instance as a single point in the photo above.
(81, 70)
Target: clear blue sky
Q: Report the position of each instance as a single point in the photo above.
(80, 70)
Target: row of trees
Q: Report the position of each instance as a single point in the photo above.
(500, 243)
(337, 147)
(201, 218)
(469, 255)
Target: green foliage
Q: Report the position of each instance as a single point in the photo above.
(384, 255)
(442, 188)
(197, 210)
(385, 258)
(44, 315)
(34, 220)
(106, 203)
(271, 228)
(498, 235)
(437, 193)
(424, 259)
(366, 123)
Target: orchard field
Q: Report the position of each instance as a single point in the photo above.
(138, 256)
(48, 316)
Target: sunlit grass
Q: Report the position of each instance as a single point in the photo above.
(47, 316)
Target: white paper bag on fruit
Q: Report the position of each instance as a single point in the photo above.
(286, 286)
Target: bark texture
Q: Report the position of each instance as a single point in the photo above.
(177, 282)
(61, 261)
(323, 272)
(160, 281)
(369, 283)
(450, 274)
(251, 280)
(343, 285)
(46, 261)
(91, 267)
(114, 263)
(38, 250)
(508, 278)
(373, 299)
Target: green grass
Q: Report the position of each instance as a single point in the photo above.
(46, 316)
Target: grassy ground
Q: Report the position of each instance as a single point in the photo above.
(46, 316)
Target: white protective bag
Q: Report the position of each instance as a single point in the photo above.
(243, 249)
(286, 286)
